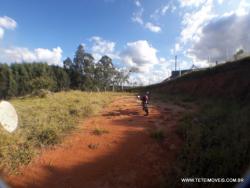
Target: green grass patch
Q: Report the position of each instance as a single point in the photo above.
(43, 121)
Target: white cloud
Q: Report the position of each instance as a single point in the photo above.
(244, 7)
(6, 23)
(177, 47)
(164, 9)
(152, 27)
(50, 56)
(102, 47)
(142, 58)
(220, 1)
(222, 37)
(195, 21)
(196, 3)
(19, 55)
(157, 74)
(137, 17)
(139, 54)
(137, 3)
(170, 7)
(1, 33)
(213, 29)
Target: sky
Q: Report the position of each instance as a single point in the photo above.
(139, 35)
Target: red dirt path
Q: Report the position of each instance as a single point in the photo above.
(126, 156)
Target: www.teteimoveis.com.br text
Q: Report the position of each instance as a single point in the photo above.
(212, 180)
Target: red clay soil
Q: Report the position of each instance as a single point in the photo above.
(125, 156)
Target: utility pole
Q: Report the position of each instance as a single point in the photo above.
(227, 54)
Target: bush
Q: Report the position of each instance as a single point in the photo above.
(47, 137)
(158, 135)
(42, 93)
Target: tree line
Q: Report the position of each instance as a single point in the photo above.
(81, 73)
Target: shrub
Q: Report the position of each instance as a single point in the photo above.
(158, 135)
(47, 136)
(99, 131)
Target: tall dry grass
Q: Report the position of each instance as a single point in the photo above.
(43, 121)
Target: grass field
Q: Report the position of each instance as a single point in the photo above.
(43, 121)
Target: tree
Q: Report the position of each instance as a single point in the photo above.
(79, 59)
(88, 72)
(67, 64)
(108, 71)
(238, 54)
(22, 78)
(83, 69)
(60, 77)
(42, 82)
(122, 78)
(69, 69)
(8, 87)
(77, 68)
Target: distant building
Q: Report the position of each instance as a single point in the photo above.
(176, 74)
(241, 54)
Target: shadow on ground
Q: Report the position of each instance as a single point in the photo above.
(131, 158)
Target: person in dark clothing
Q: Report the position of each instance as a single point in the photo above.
(144, 100)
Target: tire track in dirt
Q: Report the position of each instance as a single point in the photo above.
(125, 156)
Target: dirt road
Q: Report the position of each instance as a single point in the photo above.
(125, 155)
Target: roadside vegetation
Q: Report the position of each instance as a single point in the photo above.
(43, 121)
(215, 129)
(158, 135)
(216, 140)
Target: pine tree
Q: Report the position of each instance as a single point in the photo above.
(8, 87)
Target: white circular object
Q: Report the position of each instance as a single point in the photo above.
(8, 116)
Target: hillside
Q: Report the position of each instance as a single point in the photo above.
(215, 135)
(229, 80)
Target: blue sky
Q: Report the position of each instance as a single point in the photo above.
(141, 34)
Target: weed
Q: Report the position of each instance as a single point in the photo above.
(73, 112)
(93, 146)
(19, 155)
(100, 131)
(48, 137)
(158, 135)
